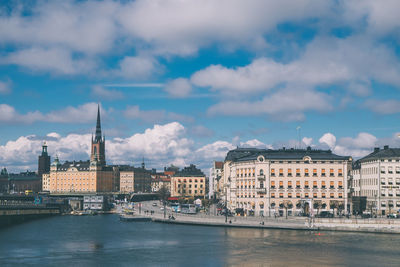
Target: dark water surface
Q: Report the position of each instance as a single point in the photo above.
(105, 241)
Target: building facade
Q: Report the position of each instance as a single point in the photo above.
(190, 182)
(377, 177)
(83, 176)
(214, 180)
(135, 180)
(268, 182)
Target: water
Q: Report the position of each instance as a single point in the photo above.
(105, 241)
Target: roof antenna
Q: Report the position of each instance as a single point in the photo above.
(298, 128)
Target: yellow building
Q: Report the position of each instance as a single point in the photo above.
(190, 182)
(83, 176)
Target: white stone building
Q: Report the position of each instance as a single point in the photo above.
(267, 182)
(377, 177)
(214, 180)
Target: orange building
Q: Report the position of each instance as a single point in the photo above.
(83, 176)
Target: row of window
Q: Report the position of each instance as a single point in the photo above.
(306, 184)
(323, 172)
(390, 169)
(190, 186)
(190, 180)
(291, 195)
(183, 191)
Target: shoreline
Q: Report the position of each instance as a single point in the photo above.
(281, 225)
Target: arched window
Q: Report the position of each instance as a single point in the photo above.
(95, 150)
(261, 172)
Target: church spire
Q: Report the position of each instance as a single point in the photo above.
(98, 126)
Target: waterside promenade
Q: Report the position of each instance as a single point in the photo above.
(378, 225)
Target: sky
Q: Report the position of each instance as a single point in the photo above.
(182, 82)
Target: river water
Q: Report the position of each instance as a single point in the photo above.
(105, 241)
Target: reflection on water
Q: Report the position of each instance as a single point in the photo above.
(105, 241)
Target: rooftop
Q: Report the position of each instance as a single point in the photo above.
(247, 154)
(379, 153)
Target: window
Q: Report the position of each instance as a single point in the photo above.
(272, 172)
(383, 181)
(280, 172)
(306, 195)
(297, 184)
(280, 184)
(273, 184)
(289, 172)
(298, 195)
(390, 169)
(398, 170)
(397, 180)
(289, 195)
(390, 181)
(306, 172)
(323, 184)
(331, 173)
(340, 172)
(332, 195)
(332, 184)
(323, 195)
(289, 184)
(297, 172)
(272, 195)
(314, 172)
(323, 174)
(280, 195)
(306, 184)
(340, 195)
(340, 184)
(262, 172)
(261, 185)
(315, 195)
(315, 184)
(383, 169)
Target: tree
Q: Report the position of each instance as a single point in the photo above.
(317, 205)
(163, 194)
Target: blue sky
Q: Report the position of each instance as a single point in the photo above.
(183, 82)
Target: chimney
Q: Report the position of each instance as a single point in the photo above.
(376, 149)
(386, 147)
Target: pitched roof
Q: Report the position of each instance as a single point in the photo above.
(386, 152)
(247, 154)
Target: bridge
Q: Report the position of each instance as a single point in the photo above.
(18, 208)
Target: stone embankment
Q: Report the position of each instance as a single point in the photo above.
(336, 224)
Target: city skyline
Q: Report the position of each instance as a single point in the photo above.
(220, 74)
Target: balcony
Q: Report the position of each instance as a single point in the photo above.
(261, 190)
(261, 177)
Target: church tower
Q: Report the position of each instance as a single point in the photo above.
(44, 161)
(98, 154)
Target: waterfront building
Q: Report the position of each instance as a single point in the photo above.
(377, 177)
(84, 176)
(135, 180)
(190, 182)
(95, 202)
(43, 161)
(160, 180)
(4, 185)
(215, 179)
(266, 182)
(20, 182)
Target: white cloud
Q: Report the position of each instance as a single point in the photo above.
(106, 94)
(383, 106)
(307, 141)
(214, 151)
(328, 139)
(178, 88)
(59, 61)
(139, 68)
(81, 114)
(152, 116)
(286, 105)
(5, 87)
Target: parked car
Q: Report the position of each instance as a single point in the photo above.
(392, 216)
(154, 204)
(325, 214)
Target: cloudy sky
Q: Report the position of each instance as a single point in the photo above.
(185, 81)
